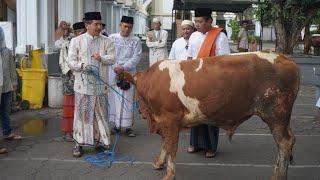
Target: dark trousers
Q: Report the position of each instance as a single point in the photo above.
(5, 108)
(204, 137)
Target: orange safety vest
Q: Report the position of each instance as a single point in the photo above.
(208, 47)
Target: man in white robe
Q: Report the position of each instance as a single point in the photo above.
(67, 75)
(89, 57)
(157, 43)
(180, 46)
(243, 39)
(78, 29)
(1, 71)
(128, 55)
(205, 137)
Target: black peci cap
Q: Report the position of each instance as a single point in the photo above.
(127, 19)
(202, 12)
(92, 16)
(78, 25)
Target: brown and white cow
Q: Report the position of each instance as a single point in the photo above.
(224, 91)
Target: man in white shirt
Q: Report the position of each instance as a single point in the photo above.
(1, 72)
(243, 41)
(157, 43)
(207, 41)
(104, 30)
(180, 46)
(78, 29)
(2, 149)
(89, 57)
(128, 54)
(68, 78)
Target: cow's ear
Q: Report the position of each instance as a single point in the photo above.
(127, 76)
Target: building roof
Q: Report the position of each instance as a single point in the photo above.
(235, 6)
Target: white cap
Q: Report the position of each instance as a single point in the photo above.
(156, 20)
(187, 22)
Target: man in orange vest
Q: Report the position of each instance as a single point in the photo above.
(207, 41)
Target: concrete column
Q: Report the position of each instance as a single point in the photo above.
(35, 25)
(70, 10)
(157, 8)
(136, 22)
(117, 16)
(47, 25)
(27, 25)
(124, 11)
(98, 6)
(89, 5)
(107, 15)
(228, 29)
(257, 30)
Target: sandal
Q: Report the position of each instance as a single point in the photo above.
(191, 149)
(210, 154)
(12, 136)
(130, 133)
(115, 130)
(77, 151)
(102, 148)
(68, 137)
(3, 151)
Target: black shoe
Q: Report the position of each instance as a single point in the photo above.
(77, 151)
(102, 148)
(130, 133)
(115, 130)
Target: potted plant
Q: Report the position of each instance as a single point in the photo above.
(254, 42)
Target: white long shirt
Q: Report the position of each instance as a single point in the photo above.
(196, 39)
(157, 46)
(244, 42)
(81, 49)
(128, 53)
(1, 74)
(179, 49)
(63, 58)
(58, 43)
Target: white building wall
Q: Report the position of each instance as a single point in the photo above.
(35, 27)
(163, 9)
(70, 11)
(47, 25)
(112, 12)
(89, 5)
(35, 19)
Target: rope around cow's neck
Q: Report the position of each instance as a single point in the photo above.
(94, 72)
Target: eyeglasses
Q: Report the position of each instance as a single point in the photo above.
(187, 46)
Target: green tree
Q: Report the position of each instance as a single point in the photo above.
(316, 21)
(288, 18)
(235, 29)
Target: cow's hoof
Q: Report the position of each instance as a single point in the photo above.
(157, 166)
(169, 177)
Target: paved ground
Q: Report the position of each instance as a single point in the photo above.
(44, 155)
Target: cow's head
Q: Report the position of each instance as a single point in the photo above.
(131, 78)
